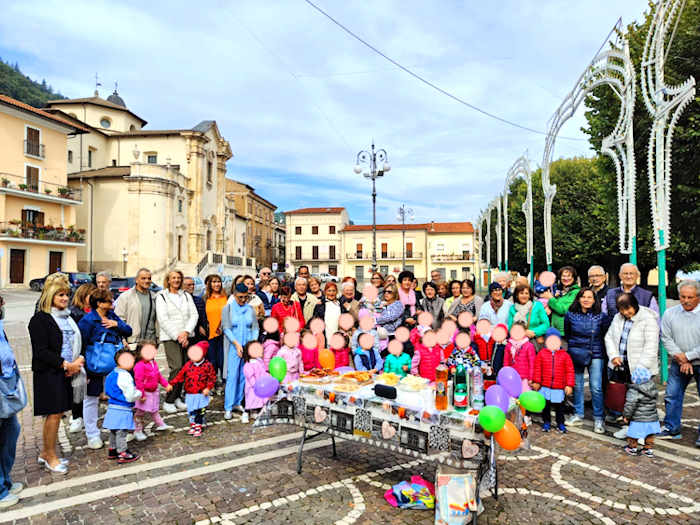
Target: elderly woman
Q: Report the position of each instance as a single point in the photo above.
(57, 366)
(455, 291)
(530, 312)
(177, 318)
(466, 302)
(240, 326)
(567, 290)
(315, 288)
(431, 303)
(443, 291)
(80, 305)
(329, 309)
(392, 315)
(407, 297)
(348, 301)
(286, 307)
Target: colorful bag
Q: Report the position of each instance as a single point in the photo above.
(99, 356)
(417, 493)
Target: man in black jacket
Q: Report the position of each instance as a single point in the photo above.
(598, 280)
(201, 331)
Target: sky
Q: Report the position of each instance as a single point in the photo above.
(297, 98)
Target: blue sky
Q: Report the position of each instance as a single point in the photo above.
(297, 98)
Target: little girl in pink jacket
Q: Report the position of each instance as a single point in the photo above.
(147, 377)
(295, 364)
(520, 354)
(253, 369)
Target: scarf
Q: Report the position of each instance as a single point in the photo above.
(522, 311)
(408, 299)
(516, 345)
(79, 380)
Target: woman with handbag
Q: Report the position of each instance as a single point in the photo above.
(584, 328)
(57, 366)
(529, 312)
(103, 334)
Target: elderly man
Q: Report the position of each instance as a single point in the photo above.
(597, 279)
(137, 308)
(264, 277)
(306, 301)
(103, 280)
(680, 334)
(629, 274)
(497, 308)
(436, 277)
(201, 331)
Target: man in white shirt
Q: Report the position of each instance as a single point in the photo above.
(497, 308)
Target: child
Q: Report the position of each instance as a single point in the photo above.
(367, 353)
(465, 353)
(397, 362)
(147, 376)
(427, 356)
(119, 419)
(291, 354)
(342, 353)
(253, 369)
(199, 377)
(640, 413)
(309, 353)
(271, 347)
(520, 353)
(553, 376)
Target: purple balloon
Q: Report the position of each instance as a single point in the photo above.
(497, 396)
(510, 380)
(266, 386)
(345, 369)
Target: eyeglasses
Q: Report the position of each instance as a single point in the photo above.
(596, 275)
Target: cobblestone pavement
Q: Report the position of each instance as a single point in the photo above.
(239, 474)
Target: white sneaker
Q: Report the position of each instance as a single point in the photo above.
(140, 436)
(574, 421)
(169, 408)
(239, 409)
(180, 405)
(76, 425)
(16, 488)
(244, 418)
(9, 500)
(94, 443)
(164, 426)
(599, 427)
(622, 433)
(228, 414)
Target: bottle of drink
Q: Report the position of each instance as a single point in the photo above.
(460, 399)
(441, 388)
(477, 389)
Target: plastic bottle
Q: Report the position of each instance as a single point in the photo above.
(460, 399)
(441, 388)
(477, 389)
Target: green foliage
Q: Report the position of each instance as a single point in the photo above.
(18, 86)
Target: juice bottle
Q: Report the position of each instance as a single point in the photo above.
(441, 388)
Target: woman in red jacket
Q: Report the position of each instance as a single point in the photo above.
(554, 378)
(287, 308)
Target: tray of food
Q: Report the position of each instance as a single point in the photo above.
(412, 383)
(388, 378)
(355, 378)
(318, 376)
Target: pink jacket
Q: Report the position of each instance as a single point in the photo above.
(523, 360)
(426, 360)
(270, 349)
(147, 376)
(295, 364)
(417, 334)
(310, 357)
(253, 370)
(342, 357)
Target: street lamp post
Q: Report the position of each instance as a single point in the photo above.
(378, 165)
(402, 214)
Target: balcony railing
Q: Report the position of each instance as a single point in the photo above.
(447, 257)
(27, 230)
(385, 256)
(34, 149)
(17, 183)
(234, 260)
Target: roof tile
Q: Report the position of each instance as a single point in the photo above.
(301, 211)
(39, 112)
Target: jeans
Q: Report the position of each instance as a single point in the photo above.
(595, 381)
(558, 411)
(675, 391)
(9, 432)
(216, 353)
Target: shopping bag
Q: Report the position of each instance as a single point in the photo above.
(616, 391)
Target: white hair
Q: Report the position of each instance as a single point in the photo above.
(689, 283)
(503, 275)
(301, 279)
(105, 274)
(347, 284)
(598, 267)
(629, 264)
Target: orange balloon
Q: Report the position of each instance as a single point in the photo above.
(508, 437)
(327, 359)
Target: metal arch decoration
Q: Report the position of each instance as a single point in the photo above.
(499, 231)
(612, 67)
(520, 168)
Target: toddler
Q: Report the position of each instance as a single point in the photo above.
(341, 349)
(553, 376)
(119, 419)
(199, 377)
(291, 354)
(465, 353)
(253, 369)
(427, 355)
(520, 353)
(397, 362)
(147, 377)
(640, 412)
(367, 355)
(309, 350)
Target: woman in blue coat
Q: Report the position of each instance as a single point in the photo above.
(585, 326)
(240, 325)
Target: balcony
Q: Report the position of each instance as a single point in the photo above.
(39, 190)
(34, 149)
(383, 256)
(451, 257)
(320, 258)
(15, 230)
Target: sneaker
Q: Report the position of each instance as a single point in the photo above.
(622, 433)
(632, 451)
(16, 488)
(228, 414)
(180, 405)
(546, 427)
(164, 426)
(127, 457)
(112, 453)
(169, 408)
(648, 452)
(562, 428)
(599, 427)
(197, 431)
(667, 434)
(140, 436)
(239, 409)
(9, 500)
(574, 421)
(76, 425)
(244, 418)
(95, 443)
(613, 420)
(192, 429)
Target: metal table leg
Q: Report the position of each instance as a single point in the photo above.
(304, 439)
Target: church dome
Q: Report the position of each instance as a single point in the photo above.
(114, 98)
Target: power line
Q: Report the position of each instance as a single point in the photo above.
(429, 83)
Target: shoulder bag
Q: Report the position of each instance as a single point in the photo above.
(13, 395)
(99, 356)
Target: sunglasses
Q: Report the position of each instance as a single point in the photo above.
(265, 273)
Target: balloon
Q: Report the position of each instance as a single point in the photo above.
(266, 386)
(510, 380)
(508, 437)
(497, 396)
(492, 418)
(327, 359)
(532, 401)
(278, 368)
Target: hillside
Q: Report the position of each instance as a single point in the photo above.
(15, 84)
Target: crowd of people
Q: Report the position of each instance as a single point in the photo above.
(87, 349)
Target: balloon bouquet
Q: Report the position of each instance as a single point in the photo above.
(492, 417)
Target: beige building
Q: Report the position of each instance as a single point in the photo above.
(153, 198)
(313, 238)
(38, 233)
(451, 250)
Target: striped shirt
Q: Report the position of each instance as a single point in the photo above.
(623, 338)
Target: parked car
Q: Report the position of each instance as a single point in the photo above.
(74, 278)
(199, 286)
(122, 284)
(325, 277)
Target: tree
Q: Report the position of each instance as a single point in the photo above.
(16, 85)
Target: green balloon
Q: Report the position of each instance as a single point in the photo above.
(492, 418)
(532, 401)
(278, 368)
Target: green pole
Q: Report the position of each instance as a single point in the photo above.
(532, 272)
(633, 255)
(549, 267)
(661, 263)
(506, 265)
